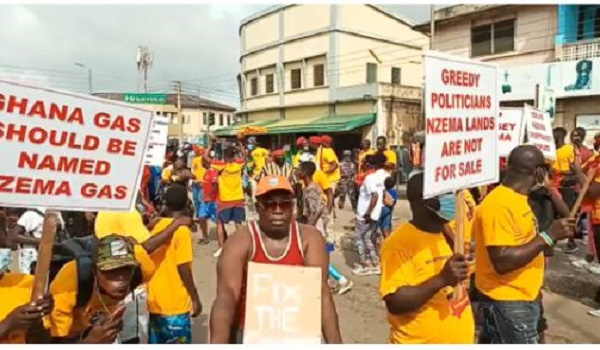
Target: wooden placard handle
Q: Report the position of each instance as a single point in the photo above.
(459, 235)
(44, 255)
(590, 177)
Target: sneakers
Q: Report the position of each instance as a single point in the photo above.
(344, 288)
(594, 268)
(594, 313)
(217, 253)
(360, 271)
(375, 270)
(580, 264)
(571, 248)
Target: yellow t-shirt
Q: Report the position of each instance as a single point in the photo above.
(229, 180)
(68, 321)
(259, 156)
(15, 290)
(166, 293)
(197, 169)
(504, 218)
(409, 257)
(390, 156)
(565, 156)
(296, 159)
(324, 158)
(321, 179)
(165, 175)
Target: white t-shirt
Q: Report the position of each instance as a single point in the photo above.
(33, 222)
(374, 183)
(306, 157)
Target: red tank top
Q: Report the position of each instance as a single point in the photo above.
(293, 255)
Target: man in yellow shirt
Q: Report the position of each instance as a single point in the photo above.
(20, 320)
(99, 319)
(390, 155)
(231, 204)
(172, 295)
(327, 161)
(419, 274)
(201, 208)
(509, 259)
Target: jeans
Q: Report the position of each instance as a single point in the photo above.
(510, 322)
(364, 241)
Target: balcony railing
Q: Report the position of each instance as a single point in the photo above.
(578, 50)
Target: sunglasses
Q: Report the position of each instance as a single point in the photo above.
(284, 204)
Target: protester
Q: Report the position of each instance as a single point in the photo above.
(202, 213)
(274, 239)
(564, 175)
(172, 295)
(419, 273)
(20, 319)
(366, 150)
(390, 155)
(116, 272)
(305, 153)
(390, 196)
(509, 262)
(230, 203)
(593, 195)
(279, 167)
(314, 207)
(27, 235)
(328, 162)
(346, 184)
(370, 202)
(257, 158)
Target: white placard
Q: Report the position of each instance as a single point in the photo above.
(511, 130)
(69, 151)
(157, 145)
(461, 108)
(539, 131)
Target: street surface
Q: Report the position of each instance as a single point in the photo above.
(361, 312)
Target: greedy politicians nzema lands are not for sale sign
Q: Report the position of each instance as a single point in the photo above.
(69, 151)
(461, 107)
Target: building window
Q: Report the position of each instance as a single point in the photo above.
(319, 74)
(254, 86)
(229, 119)
(270, 88)
(395, 75)
(588, 22)
(204, 118)
(221, 119)
(494, 38)
(296, 78)
(371, 72)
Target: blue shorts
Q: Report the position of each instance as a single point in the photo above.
(204, 210)
(235, 214)
(385, 221)
(176, 329)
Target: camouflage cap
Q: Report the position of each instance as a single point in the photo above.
(115, 252)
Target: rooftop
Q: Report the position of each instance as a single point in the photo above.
(187, 101)
(451, 13)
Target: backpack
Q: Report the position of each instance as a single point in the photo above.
(80, 250)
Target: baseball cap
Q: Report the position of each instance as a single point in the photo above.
(273, 183)
(115, 252)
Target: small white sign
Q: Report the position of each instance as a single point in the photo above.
(539, 131)
(511, 130)
(157, 145)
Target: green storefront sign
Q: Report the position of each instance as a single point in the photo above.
(151, 99)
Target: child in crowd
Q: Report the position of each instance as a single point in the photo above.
(390, 197)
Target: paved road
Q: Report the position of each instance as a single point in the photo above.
(362, 314)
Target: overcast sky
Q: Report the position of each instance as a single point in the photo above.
(189, 42)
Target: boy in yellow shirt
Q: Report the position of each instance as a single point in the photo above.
(509, 259)
(172, 295)
(420, 272)
(390, 155)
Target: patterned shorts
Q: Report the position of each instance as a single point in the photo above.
(176, 329)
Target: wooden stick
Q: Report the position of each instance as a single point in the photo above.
(590, 177)
(44, 255)
(459, 235)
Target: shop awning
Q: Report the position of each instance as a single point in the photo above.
(326, 124)
(234, 129)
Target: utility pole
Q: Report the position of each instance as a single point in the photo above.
(89, 71)
(144, 60)
(179, 116)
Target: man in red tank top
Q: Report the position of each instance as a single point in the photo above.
(274, 239)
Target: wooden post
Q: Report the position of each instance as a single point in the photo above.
(44, 255)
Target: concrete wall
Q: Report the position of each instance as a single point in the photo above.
(535, 29)
(305, 18)
(306, 112)
(262, 31)
(568, 109)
